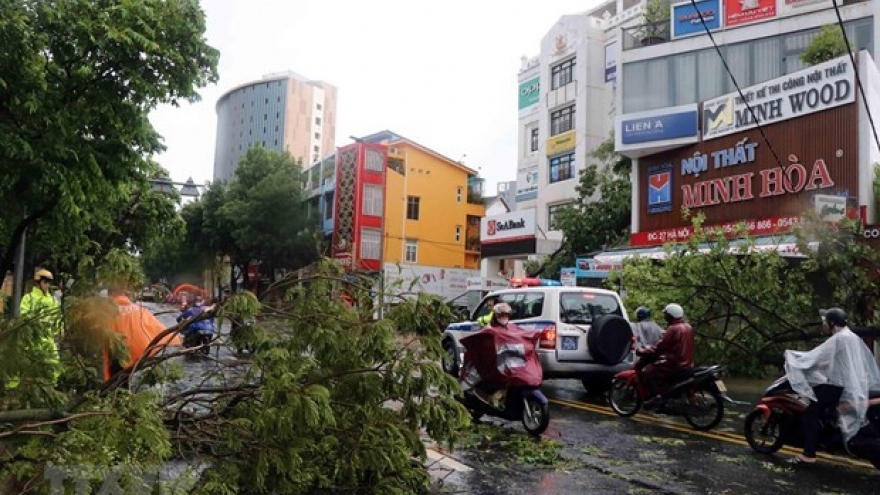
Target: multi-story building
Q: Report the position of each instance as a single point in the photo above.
(566, 96)
(282, 112)
(390, 205)
(786, 138)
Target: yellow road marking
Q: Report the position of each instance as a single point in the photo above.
(719, 435)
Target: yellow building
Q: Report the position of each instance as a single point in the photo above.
(433, 207)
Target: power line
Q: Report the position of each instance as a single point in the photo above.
(852, 59)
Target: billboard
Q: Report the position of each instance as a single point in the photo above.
(527, 182)
(410, 280)
(738, 12)
(513, 226)
(611, 52)
(529, 93)
(814, 89)
(686, 19)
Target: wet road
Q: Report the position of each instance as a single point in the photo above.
(604, 454)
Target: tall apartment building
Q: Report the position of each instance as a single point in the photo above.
(790, 138)
(282, 112)
(566, 109)
(401, 210)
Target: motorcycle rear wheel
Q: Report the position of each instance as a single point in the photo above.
(704, 409)
(535, 416)
(763, 436)
(624, 398)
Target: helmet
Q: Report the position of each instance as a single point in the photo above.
(642, 313)
(834, 316)
(673, 311)
(502, 309)
(43, 274)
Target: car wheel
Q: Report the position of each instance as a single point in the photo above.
(450, 357)
(609, 339)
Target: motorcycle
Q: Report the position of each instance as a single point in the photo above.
(519, 398)
(198, 334)
(698, 394)
(777, 420)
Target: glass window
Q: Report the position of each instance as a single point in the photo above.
(328, 207)
(373, 161)
(534, 139)
(713, 77)
(740, 63)
(562, 74)
(412, 207)
(524, 304)
(552, 210)
(659, 94)
(458, 233)
(412, 251)
(458, 193)
(582, 307)
(684, 67)
(318, 106)
(373, 200)
(562, 120)
(767, 59)
(317, 120)
(561, 168)
(371, 244)
(635, 87)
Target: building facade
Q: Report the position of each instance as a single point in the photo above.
(281, 112)
(789, 140)
(394, 207)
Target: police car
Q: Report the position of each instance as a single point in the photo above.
(585, 332)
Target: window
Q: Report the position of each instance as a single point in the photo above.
(373, 200)
(412, 207)
(562, 120)
(371, 244)
(412, 251)
(317, 135)
(317, 120)
(523, 304)
(534, 139)
(328, 207)
(561, 168)
(552, 210)
(562, 74)
(580, 308)
(458, 192)
(373, 161)
(317, 148)
(318, 106)
(458, 233)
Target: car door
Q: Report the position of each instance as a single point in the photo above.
(577, 310)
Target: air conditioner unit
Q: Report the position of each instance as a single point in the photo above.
(393, 151)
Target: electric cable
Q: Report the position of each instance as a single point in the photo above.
(852, 59)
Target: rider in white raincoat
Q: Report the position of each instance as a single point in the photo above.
(841, 361)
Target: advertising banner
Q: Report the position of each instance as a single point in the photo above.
(527, 182)
(764, 226)
(743, 11)
(611, 51)
(516, 225)
(568, 276)
(820, 87)
(653, 126)
(686, 19)
(529, 93)
(561, 142)
(410, 280)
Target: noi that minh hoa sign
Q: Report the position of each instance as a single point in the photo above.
(820, 87)
(513, 226)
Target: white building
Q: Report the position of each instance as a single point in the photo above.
(566, 109)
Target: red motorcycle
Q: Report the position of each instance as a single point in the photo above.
(698, 394)
(777, 421)
(501, 376)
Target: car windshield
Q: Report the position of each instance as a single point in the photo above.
(581, 308)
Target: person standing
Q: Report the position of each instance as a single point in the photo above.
(40, 307)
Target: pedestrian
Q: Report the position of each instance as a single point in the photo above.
(138, 327)
(40, 308)
(838, 373)
(645, 330)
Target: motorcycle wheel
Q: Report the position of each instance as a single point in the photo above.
(535, 416)
(764, 436)
(624, 398)
(704, 409)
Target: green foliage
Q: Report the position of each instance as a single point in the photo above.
(826, 45)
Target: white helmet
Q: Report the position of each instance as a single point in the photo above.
(674, 311)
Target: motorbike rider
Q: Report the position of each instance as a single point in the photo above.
(499, 322)
(645, 330)
(839, 372)
(201, 326)
(672, 354)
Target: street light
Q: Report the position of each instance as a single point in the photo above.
(164, 185)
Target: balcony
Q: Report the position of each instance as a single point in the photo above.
(651, 33)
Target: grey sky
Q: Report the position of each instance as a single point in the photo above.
(440, 73)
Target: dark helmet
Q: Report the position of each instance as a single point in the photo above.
(642, 313)
(834, 316)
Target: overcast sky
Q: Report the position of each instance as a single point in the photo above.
(442, 73)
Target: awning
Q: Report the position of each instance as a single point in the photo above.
(785, 245)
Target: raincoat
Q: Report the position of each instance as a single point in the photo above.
(502, 357)
(139, 327)
(43, 307)
(845, 361)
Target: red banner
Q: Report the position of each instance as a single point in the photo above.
(764, 226)
(743, 11)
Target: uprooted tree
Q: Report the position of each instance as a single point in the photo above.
(332, 401)
(748, 303)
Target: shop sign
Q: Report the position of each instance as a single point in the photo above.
(513, 226)
(790, 178)
(529, 93)
(568, 276)
(527, 183)
(743, 11)
(686, 19)
(817, 88)
(830, 208)
(593, 268)
(611, 51)
(660, 188)
(764, 226)
(659, 127)
(561, 142)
